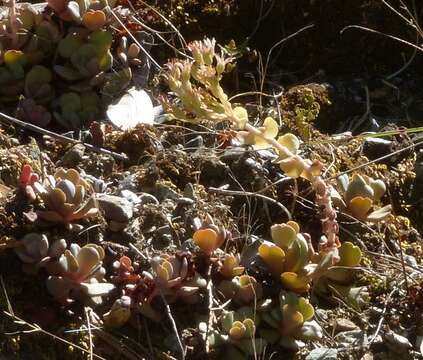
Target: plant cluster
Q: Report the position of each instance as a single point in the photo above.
(60, 67)
(64, 196)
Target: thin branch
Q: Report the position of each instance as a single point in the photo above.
(36, 328)
(174, 327)
(10, 119)
(381, 33)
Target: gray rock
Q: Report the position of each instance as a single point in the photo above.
(115, 208)
(130, 196)
(98, 184)
(311, 330)
(232, 154)
(376, 147)
(128, 182)
(323, 354)
(353, 337)
(255, 165)
(397, 343)
(410, 260)
(164, 234)
(322, 314)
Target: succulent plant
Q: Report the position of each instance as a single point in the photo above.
(90, 13)
(119, 313)
(287, 319)
(64, 197)
(196, 83)
(172, 276)
(230, 267)
(210, 238)
(78, 274)
(242, 289)
(77, 109)
(16, 24)
(86, 54)
(124, 272)
(35, 251)
(239, 334)
(360, 196)
(175, 277)
(128, 53)
(292, 259)
(335, 281)
(288, 256)
(29, 111)
(27, 179)
(37, 84)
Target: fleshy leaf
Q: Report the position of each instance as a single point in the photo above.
(241, 116)
(295, 282)
(350, 255)
(359, 207)
(273, 256)
(283, 235)
(206, 240)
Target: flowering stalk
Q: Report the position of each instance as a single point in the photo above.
(312, 171)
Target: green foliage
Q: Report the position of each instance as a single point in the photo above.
(77, 109)
(306, 112)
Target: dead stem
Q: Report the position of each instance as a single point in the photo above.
(36, 328)
(247, 193)
(210, 307)
(64, 139)
(173, 323)
(90, 335)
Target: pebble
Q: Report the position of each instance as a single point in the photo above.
(185, 201)
(164, 234)
(73, 156)
(189, 191)
(255, 165)
(98, 184)
(267, 154)
(410, 260)
(146, 198)
(311, 330)
(342, 324)
(232, 154)
(116, 208)
(195, 143)
(164, 192)
(323, 354)
(322, 314)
